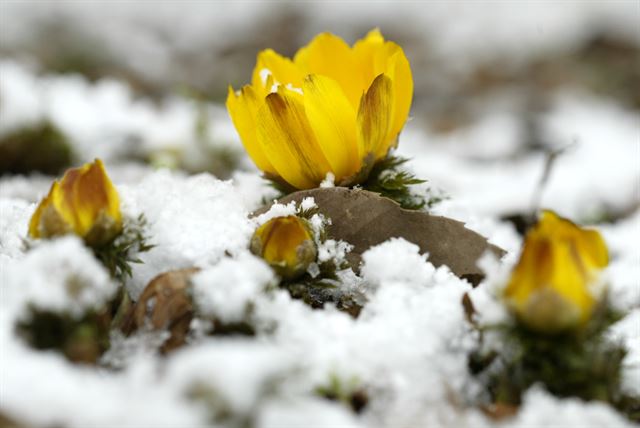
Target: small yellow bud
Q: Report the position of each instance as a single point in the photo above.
(84, 202)
(286, 243)
(554, 286)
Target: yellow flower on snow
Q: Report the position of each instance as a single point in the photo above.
(333, 108)
(554, 286)
(286, 243)
(84, 202)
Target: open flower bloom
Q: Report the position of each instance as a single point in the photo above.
(333, 108)
(84, 202)
(286, 243)
(555, 285)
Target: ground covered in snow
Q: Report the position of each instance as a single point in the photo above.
(404, 358)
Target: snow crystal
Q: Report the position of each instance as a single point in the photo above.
(193, 221)
(60, 275)
(226, 290)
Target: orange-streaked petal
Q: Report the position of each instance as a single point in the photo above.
(83, 194)
(375, 118)
(330, 56)
(243, 109)
(289, 142)
(333, 121)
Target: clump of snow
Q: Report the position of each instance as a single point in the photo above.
(227, 290)
(329, 181)
(254, 190)
(192, 221)
(540, 409)
(277, 210)
(60, 275)
(628, 332)
(333, 250)
(308, 203)
(417, 309)
(624, 270)
(14, 222)
(79, 397)
(295, 412)
(236, 372)
(106, 120)
(580, 185)
(396, 260)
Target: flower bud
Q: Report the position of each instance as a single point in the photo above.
(555, 285)
(84, 203)
(286, 243)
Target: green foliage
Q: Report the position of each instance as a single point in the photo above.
(582, 364)
(389, 180)
(37, 148)
(118, 255)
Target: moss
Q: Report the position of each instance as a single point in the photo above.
(40, 148)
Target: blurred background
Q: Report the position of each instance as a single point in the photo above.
(145, 81)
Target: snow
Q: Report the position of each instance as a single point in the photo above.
(542, 409)
(407, 349)
(227, 290)
(104, 118)
(60, 276)
(193, 221)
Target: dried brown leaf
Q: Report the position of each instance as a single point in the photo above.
(164, 304)
(365, 219)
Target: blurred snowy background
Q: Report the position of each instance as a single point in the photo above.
(498, 86)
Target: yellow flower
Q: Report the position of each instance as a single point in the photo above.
(84, 202)
(286, 243)
(554, 286)
(333, 108)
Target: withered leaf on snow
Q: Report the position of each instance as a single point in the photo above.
(365, 219)
(164, 303)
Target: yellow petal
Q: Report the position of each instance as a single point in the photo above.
(281, 69)
(400, 73)
(569, 278)
(289, 142)
(84, 194)
(330, 56)
(243, 109)
(333, 121)
(374, 118)
(370, 56)
(286, 244)
(36, 219)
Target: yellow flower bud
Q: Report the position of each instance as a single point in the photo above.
(332, 108)
(84, 202)
(554, 286)
(286, 243)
